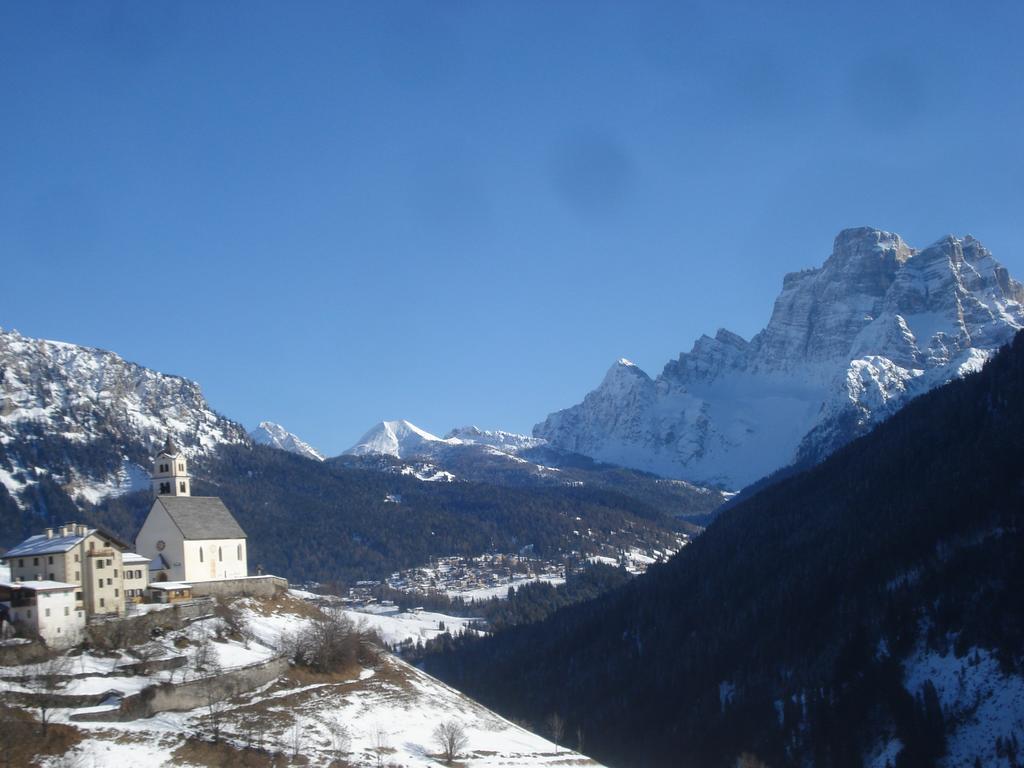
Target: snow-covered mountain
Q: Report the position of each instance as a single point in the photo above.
(404, 440)
(276, 436)
(508, 442)
(401, 439)
(88, 420)
(847, 344)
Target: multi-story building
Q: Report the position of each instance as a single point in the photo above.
(45, 608)
(91, 559)
(136, 576)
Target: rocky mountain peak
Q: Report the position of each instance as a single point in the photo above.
(276, 436)
(847, 343)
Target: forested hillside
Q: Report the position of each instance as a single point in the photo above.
(789, 630)
(309, 520)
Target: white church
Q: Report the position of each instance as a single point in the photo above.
(188, 538)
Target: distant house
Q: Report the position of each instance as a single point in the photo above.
(188, 538)
(44, 608)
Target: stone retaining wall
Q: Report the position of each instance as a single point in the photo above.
(252, 586)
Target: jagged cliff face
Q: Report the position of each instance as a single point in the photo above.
(89, 420)
(847, 344)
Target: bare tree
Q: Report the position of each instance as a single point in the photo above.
(556, 727)
(46, 679)
(295, 739)
(216, 692)
(341, 738)
(381, 744)
(451, 737)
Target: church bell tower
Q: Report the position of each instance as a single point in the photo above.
(170, 472)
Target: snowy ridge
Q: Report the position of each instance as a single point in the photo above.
(276, 436)
(848, 343)
(401, 439)
(507, 442)
(93, 400)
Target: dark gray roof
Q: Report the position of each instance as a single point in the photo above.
(201, 517)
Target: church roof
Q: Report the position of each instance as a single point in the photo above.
(201, 517)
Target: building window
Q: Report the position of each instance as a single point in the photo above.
(239, 551)
(220, 554)
(47, 613)
(109, 581)
(67, 611)
(200, 554)
(78, 596)
(21, 563)
(165, 487)
(99, 565)
(52, 577)
(49, 560)
(77, 576)
(108, 559)
(101, 583)
(117, 593)
(115, 573)
(35, 561)
(182, 485)
(76, 557)
(102, 602)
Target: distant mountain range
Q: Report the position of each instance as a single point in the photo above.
(78, 428)
(848, 343)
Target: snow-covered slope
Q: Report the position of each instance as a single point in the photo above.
(388, 712)
(276, 436)
(89, 420)
(401, 439)
(847, 344)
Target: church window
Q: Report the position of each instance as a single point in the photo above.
(220, 554)
(35, 561)
(47, 612)
(165, 487)
(181, 467)
(239, 551)
(49, 560)
(200, 554)
(182, 485)
(67, 611)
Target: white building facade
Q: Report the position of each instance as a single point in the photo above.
(44, 608)
(189, 538)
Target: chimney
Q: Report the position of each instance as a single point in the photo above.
(49, 533)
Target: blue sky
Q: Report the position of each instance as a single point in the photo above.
(333, 213)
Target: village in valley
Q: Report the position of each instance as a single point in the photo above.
(168, 651)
